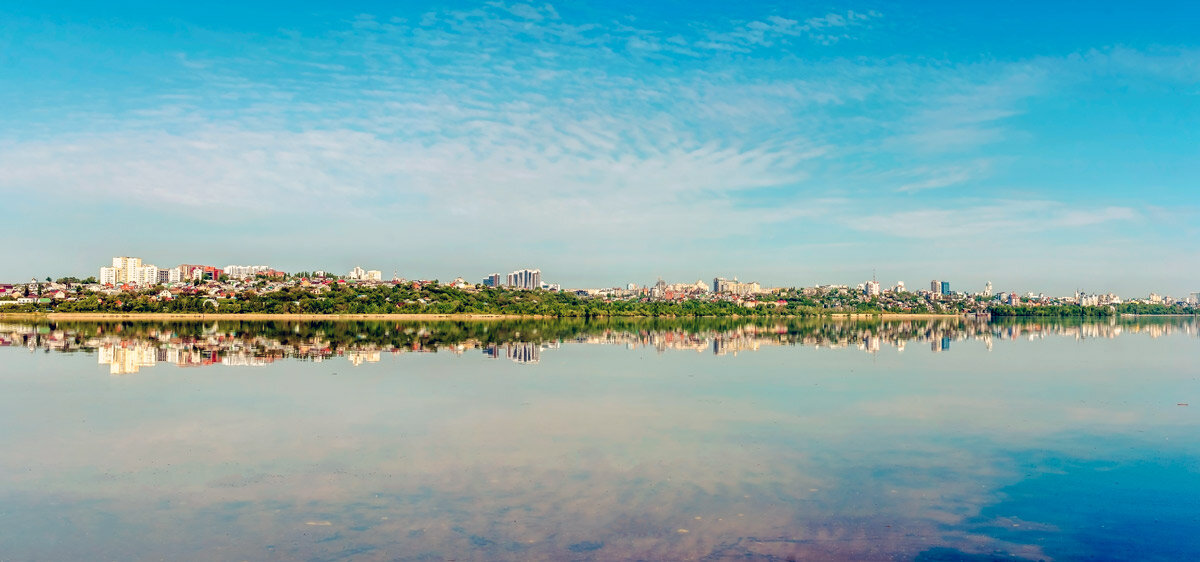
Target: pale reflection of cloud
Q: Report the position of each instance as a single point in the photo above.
(453, 457)
(1030, 416)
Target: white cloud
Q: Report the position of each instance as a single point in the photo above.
(507, 114)
(827, 29)
(939, 177)
(988, 220)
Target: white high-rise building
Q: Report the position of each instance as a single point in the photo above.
(129, 270)
(987, 289)
(871, 288)
(126, 263)
(244, 271)
(723, 285)
(360, 274)
(525, 279)
(144, 275)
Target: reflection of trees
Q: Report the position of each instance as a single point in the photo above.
(254, 343)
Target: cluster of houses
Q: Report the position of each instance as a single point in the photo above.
(214, 288)
(34, 292)
(129, 274)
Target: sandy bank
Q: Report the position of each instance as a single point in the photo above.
(108, 316)
(894, 316)
(99, 316)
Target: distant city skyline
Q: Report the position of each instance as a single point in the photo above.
(137, 271)
(1046, 148)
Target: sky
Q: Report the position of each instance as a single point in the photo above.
(1045, 148)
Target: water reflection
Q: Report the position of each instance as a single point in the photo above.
(127, 347)
(531, 440)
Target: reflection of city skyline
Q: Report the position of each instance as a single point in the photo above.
(127, 348)
(519, 352)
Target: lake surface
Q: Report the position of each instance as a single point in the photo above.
(544, 440)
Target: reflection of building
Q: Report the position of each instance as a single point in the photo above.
(526, 352)
(123, 360)
(733, 343)
(127, 349)
(520, 352)
(245, 361)
(359, 357)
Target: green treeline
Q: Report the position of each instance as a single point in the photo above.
(440, 299)
(1072, 310)
(403, 299)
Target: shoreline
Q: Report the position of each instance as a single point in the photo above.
(248, 316)
(259, 316)
(158, 316)
(893, 315)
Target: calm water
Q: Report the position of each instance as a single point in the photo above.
(944, 440)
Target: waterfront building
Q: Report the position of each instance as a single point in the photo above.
(987, 289)
(130, 270)
(360, 274)
(946, 288)
(659, 290)
(871, 288)
(734, 287)
(525, 279)
(189, 272)
(244, 271)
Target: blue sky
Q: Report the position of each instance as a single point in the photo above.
(1041, 148)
